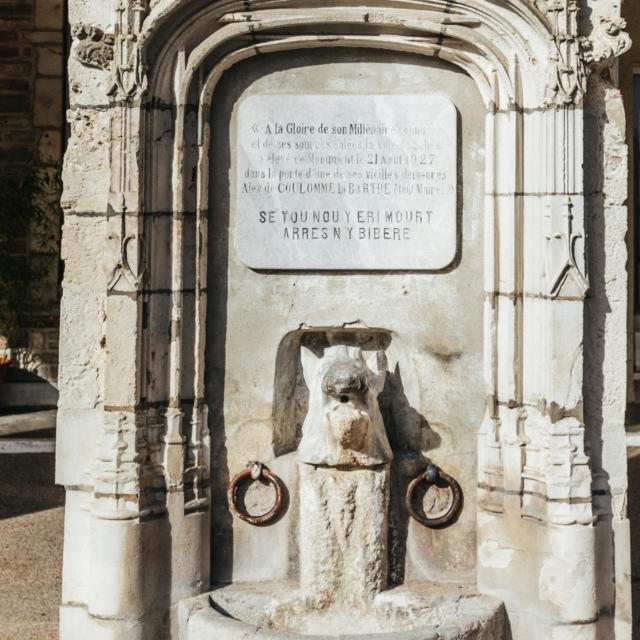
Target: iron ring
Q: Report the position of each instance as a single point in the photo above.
(255, 471)
(430, 475)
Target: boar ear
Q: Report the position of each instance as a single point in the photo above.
(377, 362)
(310, 365)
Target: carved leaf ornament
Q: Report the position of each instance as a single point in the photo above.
(118, 53)
(95, 48)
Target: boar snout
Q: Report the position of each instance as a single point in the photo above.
(344, 380)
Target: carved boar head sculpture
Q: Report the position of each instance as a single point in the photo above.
(343, 426)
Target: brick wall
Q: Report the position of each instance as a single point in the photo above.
(32, 132)
(31, 83)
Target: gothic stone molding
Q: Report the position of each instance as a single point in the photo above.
(583, 36)
(116, 52)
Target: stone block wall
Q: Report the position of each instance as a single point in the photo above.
(31, 83)
(32, 133)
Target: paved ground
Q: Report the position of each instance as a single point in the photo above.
(31, 525)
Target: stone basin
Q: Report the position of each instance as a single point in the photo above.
(414, 611)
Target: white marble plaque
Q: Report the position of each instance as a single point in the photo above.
(346, 182)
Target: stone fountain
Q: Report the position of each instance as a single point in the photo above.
(403, 178)
(343, 468)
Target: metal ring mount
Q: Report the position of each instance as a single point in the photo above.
(255, 471)
(430, 475)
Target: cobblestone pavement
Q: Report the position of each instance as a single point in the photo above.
(31, 535)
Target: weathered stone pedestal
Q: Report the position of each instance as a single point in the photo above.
(411, 612)
(343, 535)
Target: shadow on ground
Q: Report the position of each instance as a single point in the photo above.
(27, 484)
(31, 541)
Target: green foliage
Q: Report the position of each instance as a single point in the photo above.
(30, 217)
